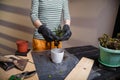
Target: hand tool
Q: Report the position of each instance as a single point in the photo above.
(19, 63)
(23, 75)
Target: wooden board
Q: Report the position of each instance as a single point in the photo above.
(81, 70)
(4, 75)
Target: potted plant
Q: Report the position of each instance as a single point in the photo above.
(57, 54)
(109, 50)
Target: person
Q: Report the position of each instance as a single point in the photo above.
(46, 16)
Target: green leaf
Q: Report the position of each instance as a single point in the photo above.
(49, 76)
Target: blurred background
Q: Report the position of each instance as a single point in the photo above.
(90, 19)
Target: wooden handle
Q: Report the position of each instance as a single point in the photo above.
(5, 59)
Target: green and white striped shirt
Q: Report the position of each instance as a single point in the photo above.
(49, 12)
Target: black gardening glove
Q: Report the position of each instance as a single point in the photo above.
(66, 33)
(47, 33)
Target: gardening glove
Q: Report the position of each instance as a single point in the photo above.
(66, 33)
(47, 33)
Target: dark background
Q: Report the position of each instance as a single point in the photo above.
(117, 24)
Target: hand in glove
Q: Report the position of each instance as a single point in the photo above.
(47, 33)
(66, 33)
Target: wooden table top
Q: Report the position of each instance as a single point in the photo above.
(4, 75)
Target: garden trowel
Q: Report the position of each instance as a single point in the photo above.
(23, 75)
(19, 63)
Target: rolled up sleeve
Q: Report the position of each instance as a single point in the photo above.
(34, 10)
(66, 12)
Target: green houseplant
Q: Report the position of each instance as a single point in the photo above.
(109, 50)
(57, 54)
(58, 32)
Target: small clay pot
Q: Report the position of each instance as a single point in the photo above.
(22, 45)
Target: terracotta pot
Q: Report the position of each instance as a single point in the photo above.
(22, 45)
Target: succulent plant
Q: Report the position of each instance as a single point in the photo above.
(59, 31)
(108, 42)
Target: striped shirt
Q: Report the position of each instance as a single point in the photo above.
(49, 12)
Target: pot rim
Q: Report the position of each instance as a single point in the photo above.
(21, 41)
(109, 50)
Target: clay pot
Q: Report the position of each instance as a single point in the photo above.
(109, 57)
(22, 45)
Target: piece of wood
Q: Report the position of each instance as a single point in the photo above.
(4, 75)
(82, 70)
